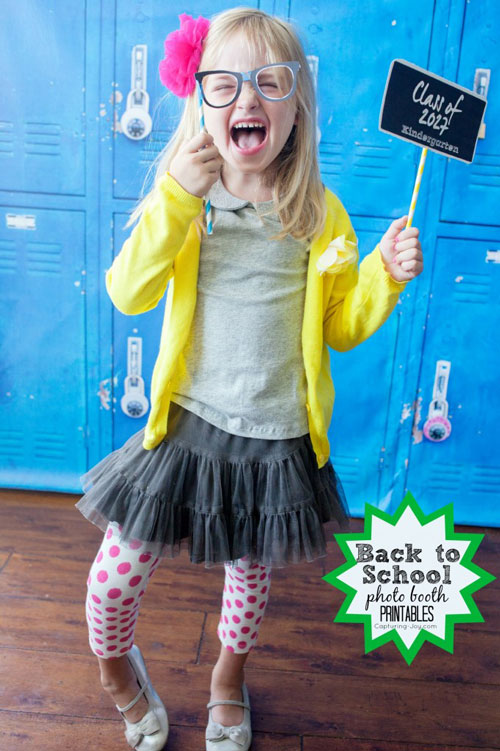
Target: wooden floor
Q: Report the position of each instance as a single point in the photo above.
(311, 686)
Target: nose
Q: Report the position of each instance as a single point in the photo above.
(248, 95)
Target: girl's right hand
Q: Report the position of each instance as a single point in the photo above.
(196, 168)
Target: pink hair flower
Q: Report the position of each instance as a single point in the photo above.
(183, 48)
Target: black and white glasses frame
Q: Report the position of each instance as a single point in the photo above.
(251, 75)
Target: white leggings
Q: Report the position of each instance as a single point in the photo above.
(118, 579)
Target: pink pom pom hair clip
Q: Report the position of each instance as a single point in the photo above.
(183, 49)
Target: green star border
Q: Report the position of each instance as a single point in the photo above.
(474, 616)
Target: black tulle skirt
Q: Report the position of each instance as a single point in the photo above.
(222, 496)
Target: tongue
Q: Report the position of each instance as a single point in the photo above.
(248, 138)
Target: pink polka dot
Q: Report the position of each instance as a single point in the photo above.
(98, 611)
(135, 544)
(242, 644)
(123, 568)
(225, 588)
(255, 565)
(251, 598)
(96, 598)
(230, 589)
(239, 604)
(128, 601)
(122, 630)
(231, 649)
(263, 590)
(262, 576)
(110, 628)
(97, 620)
(228, 603)
(124, 620)
(240, 589)
(125, 612)
(120, 527)
(252, 586)
(88, 581)
(249, 614)
(99, 641)
(236, 619)
(111, 619)
(251, 576)
(114, 551)
(239, 578)
(223, 633)
(253, 635)
(258, 620)
(125, 638)
(111, 648)
(100, 556)
(245, 629)
(145, 557)
(124, 649)
(99, 652)
(232, 634)
(97, 631)
(102, 576)
(109, 533)
(114, 636)
(239, 570)
(262, 605)
(111, 610)
(226, 619)
(134, 581)
(114, 593)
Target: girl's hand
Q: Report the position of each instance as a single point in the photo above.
(196, 168)
(401, 251)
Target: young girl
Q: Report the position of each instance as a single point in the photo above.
(234, 460)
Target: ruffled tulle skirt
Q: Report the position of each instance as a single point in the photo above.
(222, 496)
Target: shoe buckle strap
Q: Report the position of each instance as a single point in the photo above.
(134, 701)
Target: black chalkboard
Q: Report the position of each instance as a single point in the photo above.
(430, 111)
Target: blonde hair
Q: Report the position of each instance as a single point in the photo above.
(294, 176)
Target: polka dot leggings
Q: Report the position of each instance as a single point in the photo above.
(118, 579)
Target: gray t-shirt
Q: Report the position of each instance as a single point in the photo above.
(242, 368)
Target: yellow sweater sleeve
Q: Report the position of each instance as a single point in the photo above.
(362, 298)
(139, 274)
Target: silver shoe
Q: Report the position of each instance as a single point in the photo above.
(151, 732)
(220, 737)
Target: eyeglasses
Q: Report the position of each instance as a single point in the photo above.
(274, 82)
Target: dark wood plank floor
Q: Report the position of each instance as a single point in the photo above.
(311, 686)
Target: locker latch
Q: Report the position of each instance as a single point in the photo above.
(133, 402)
(437, 427)
(136, 122)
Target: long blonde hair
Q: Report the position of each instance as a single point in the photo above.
(294, 177)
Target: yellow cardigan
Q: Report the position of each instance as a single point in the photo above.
(341, 309)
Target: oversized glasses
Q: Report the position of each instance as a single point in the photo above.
(274, 82)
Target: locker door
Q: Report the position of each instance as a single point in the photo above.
(462, 327)
(472, 191)
(42, 246)
(372, 174)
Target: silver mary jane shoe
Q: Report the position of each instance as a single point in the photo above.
(151, 732)
(220, 737)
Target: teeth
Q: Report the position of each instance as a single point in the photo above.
(249, 125)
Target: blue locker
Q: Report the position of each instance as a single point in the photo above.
(384, 387)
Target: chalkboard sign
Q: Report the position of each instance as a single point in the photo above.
(430, 111)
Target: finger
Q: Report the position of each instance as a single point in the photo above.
(405, 244)
(200, 140)
(207, 154)
(396, 227)
(410, 232)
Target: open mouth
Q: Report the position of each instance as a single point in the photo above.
(249, 140)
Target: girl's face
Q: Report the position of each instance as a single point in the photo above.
(278, 117)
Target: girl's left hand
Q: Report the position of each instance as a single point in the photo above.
(401, 251)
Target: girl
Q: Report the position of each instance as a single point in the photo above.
(234, 460)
